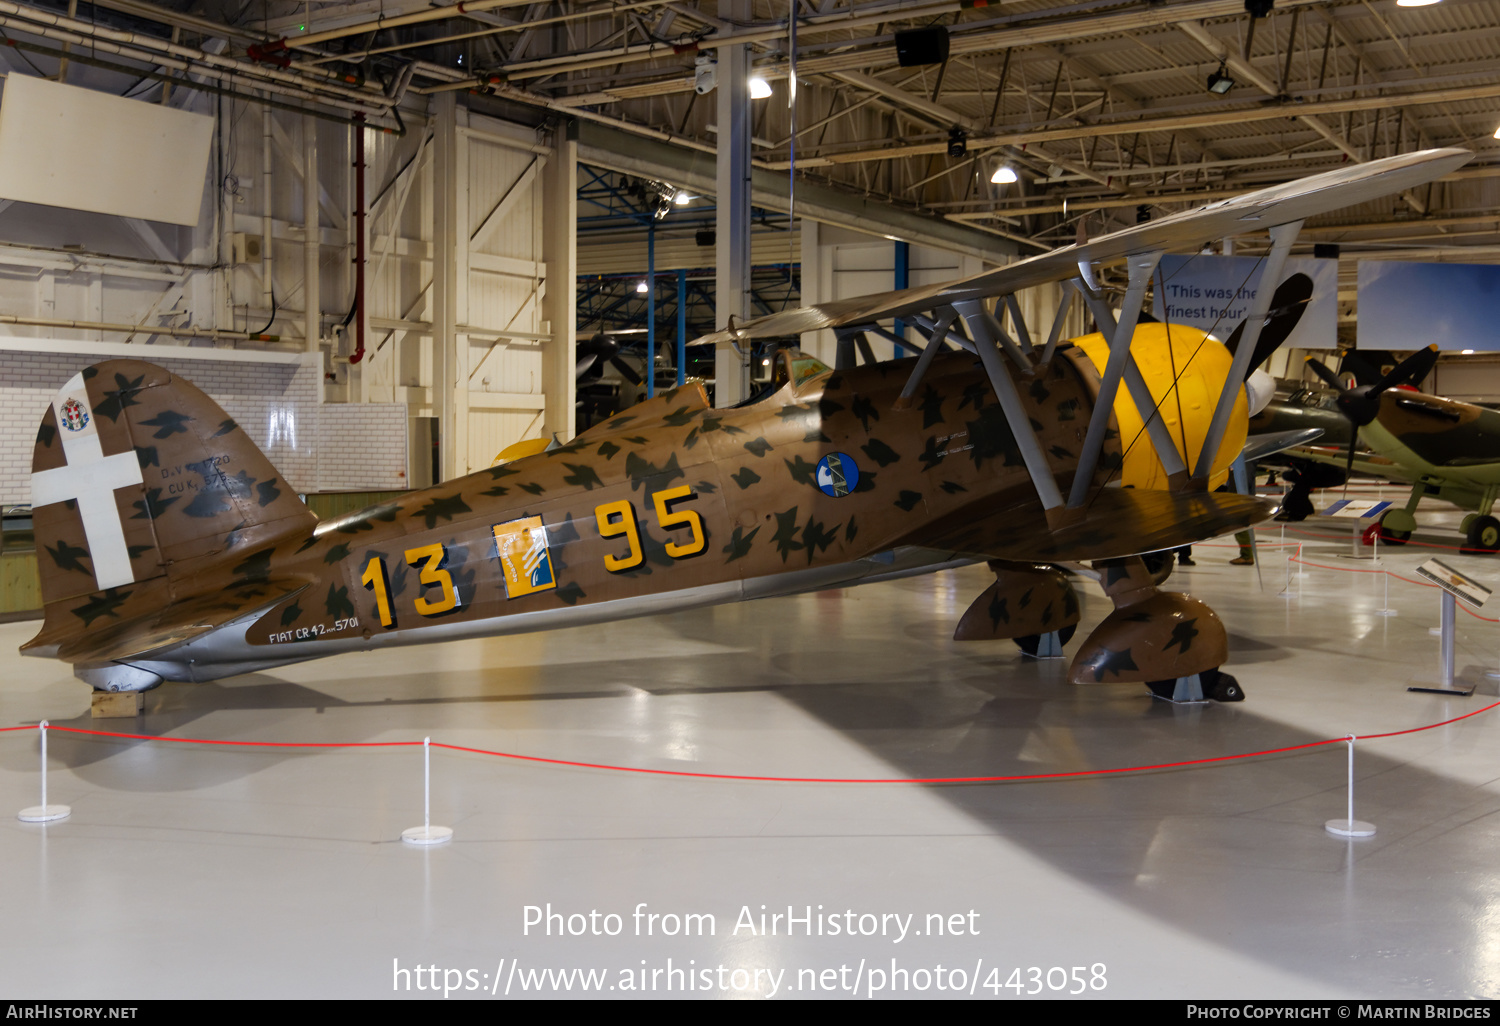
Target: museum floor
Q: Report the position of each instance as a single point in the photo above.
(187, 870)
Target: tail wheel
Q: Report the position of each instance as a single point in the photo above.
(1216, 684)
(1394, 537)
(1221, 687)
(1029, 643)
(1483, 536)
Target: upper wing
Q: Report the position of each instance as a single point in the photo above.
(1190, 229)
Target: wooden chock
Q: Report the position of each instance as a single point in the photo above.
(107, 705)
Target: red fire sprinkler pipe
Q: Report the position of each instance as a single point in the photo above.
(359, 239)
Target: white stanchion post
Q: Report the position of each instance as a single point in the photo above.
(1349, 826)
(427, 834)
(44, 813)
(1386, 610)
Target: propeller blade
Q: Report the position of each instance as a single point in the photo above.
(626, 371)
(1357, 364)
(1414, 368)
(1288, 303)
(1329, 377)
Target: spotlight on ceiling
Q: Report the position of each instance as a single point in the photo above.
(705, 73)
(1497, 133)
(640, 286)
(1417, 3)
(1004, 175)
(759, 88)
(682, 199)
(958, 142)
(1219, 81)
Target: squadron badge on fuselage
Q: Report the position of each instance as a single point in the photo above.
(837, 474)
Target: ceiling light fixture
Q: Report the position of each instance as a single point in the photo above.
(1219, 81)
(682, 199)
(1004, 175)
(640, 286)
(759, 88)
(958, 142)
(1417, 3)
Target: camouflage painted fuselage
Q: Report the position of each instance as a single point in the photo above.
(738, 490)
(668, 505)
(1436, 437)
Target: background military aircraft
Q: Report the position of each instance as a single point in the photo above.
(1443, 447)
(175, 550)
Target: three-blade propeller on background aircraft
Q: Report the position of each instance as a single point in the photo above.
(599, 349)
(1361, 404)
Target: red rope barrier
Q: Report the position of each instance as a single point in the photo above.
(772, 779)
(826, 780)
(1421, 584)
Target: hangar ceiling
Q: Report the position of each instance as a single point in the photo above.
(1101, 107)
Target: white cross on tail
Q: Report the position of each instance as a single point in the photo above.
(90, 478)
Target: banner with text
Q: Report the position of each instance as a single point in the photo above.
(1215, 292)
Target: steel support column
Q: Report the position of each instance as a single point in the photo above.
(732, 207)
(312, 296)
(681, 325)
(445, 236)
(560, 290)
(651, 309)
(902, 280)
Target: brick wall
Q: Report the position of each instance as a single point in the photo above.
(316, 446)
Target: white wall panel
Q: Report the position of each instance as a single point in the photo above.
(90, 150)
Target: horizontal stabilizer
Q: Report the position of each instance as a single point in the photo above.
(1120, 522)
(179, 622)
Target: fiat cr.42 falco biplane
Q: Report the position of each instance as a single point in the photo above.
(985, 447)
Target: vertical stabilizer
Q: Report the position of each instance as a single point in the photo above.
(141, 488)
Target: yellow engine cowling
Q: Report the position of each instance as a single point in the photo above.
(1198, 363)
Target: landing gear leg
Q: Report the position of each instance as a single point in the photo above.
(1396, 525)
(1046, 646)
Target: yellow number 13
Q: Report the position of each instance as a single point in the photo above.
(431, 557)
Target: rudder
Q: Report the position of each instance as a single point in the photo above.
(140, 483)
